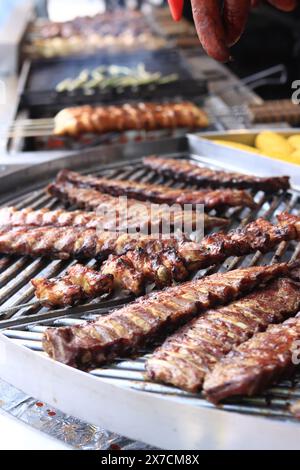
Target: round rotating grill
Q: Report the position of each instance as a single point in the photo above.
(24, 324)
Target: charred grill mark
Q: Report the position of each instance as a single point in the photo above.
(185, 170)
(254, 365)
(190, 354)
(124, 330)
(211, 199)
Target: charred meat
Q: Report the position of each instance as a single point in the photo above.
(79, 283)
(75, 242)
(185, 170)
(124, 330)
(126, 214)
(148, 116)
(190, 354)
(253, 366)
(211, 199)
(162, 264)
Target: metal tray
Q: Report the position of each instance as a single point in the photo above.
(247, 162)
(118, 397)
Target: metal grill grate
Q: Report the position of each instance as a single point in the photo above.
(24, 326)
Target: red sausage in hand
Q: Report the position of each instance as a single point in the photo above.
(210, 28)
(235, 16)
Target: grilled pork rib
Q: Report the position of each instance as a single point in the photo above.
(79, 283)
(124, 330)
(185, 170)
(75, 242)
(256, 364)
(10, 216)
(131, 213)
(147, 116)
(211, 199)
(163, 265)
(190, 354)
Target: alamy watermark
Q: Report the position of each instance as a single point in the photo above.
(295, 349)
(156, 220)
(296, 93)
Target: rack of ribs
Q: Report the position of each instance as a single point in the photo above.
(210, 198)
(77, 284)
(186, 357)
(124, 330)
(186, 170)
(76, 242)
(253, 366)
(129, 214)
(174, 262)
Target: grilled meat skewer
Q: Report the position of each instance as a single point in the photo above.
(212, 199)
(187, 356)
(256, 364)
(174, 263)
(130, 213)
(185, 170)
(148, 116)
(79, 283)
(124, 330)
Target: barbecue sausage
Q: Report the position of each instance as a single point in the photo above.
(210, 28)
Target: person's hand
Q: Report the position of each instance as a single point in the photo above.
(219, 29)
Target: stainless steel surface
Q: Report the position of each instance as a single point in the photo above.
(118, 396)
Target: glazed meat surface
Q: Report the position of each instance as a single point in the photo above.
(253, 366)
(120, 118)
(190, 354)
(211, 199)
(126, 214)
(185, 170)
(75, 242)
(10, 216)
(79, 283)
(124, 330)
(162, 263)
